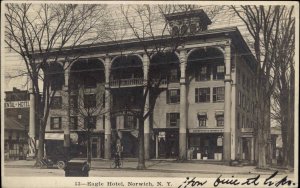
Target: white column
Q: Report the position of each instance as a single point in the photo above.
(31, 134)
(233, 116)
(183, 106)
(146, 62)
(227, 110)
(252, 149)
(66, 100)
(107, 131)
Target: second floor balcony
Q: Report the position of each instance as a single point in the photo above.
(129, 82)
(134, 82)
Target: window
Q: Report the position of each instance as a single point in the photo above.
(175, 30)
(184, 29)
(56, 102)
(173, 119)
(55, 123)
(193, 28)
(220, 120)
(90, 122)
(90, 101)
(174, 76)
(203, 73)
(218, 94)
(74, 101)
(244, 80)
(130, 122)
(173, 96)
(202, 119)
(202, 95)
(219, 72)
(73, 122)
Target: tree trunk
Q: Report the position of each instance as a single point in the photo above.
(262, 137)
(291, 105)
(141, 159)
(41, 140)
(89, 153)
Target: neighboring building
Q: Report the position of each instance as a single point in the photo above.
(205, 111)
(16, 121)
(276, 147)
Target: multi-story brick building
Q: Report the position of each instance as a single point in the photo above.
(205, 111)
(16, 123)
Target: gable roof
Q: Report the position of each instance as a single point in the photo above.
(11, 123)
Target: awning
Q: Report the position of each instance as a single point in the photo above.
(60, 136)
(54, 136)
(202, 114)
(219, 113)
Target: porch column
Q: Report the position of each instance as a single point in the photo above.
(67, 124)
(252, 150)
(146, 122)
(31, 133)
(107, 131)
(233, 114)
(227, 110)
(183, 106)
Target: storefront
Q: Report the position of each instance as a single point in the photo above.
(247, 147)
(78, 148)
(96, 147)
(167, 143)
(205, 144)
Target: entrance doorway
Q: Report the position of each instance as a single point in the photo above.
(167, 143)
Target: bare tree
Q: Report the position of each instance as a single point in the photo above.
(263, 24)
(148, 23)
(87, 106)
(39, 33)
(283, 108)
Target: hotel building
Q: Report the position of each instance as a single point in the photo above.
(204, 112)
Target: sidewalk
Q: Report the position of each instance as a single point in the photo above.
(163, 166)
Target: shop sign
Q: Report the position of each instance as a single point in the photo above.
(206, 130)
(220, 141)
(161, 134)
(17, 104)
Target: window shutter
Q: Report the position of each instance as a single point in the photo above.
(168, 96)
(60, 122)
(196, 95)
(168, 119)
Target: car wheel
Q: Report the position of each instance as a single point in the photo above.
(61, 164)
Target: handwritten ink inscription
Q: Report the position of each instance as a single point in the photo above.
(251, 181)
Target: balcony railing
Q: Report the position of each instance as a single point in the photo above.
(131, 82)
(126, 82)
